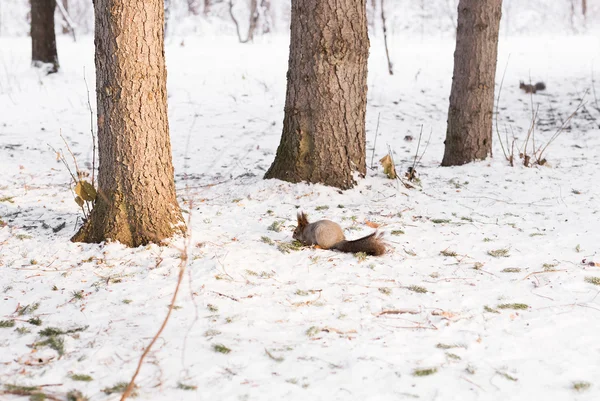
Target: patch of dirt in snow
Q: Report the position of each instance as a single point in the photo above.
(483, 295)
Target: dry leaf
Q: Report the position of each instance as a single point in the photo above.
(371, 224)
(86, 191)
(79, 201)
(388, 166)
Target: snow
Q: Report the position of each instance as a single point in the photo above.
(308, 324)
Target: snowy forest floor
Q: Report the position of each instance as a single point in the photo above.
(490, 263)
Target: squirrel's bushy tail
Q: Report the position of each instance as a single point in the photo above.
(371, 245)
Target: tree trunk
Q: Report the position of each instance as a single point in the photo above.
(192, 7)
(323, 138)
(43, 37)
(469, 131)
(265, 6)
(253, 22)
(66, 29)
(136, 202)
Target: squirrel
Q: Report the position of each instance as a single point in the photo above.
(329, 235)
(540, 86)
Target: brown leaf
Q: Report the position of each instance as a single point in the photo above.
(388, 166)
(371, 224)
(79, 201)
(85, 190)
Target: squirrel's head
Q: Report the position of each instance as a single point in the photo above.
(302, 223)
(521, 84)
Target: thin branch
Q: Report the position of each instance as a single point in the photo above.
(418, 145)
(72, 155)
(562, 127)
(237, 25)
(385, 42)
(375, 142)
(67, 19)
(426, 146)
(182, 268)
(594, 89)
(91, 127)
(542, 272)
(62, 159)
(529, 132)
(397, 312)
(497, 110)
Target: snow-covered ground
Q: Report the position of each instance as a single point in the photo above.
(311, 324)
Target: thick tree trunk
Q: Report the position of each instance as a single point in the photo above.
(469, 131)
(136, 201)
(43, 37)
(323, 138)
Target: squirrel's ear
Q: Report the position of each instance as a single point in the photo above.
(302, 219)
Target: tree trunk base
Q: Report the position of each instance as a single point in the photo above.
(108, 223)
(324, 138)
(48, 68)
(281, 171)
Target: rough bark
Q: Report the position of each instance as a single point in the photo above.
(469, 131)
(323, 139)
(136, 201)
(43, 37)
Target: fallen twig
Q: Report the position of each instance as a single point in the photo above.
(541, 272)
(182, 268)
(397, 312)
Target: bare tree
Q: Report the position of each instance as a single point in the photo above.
(385, 41)
(43, 37)
(136, 202)
(469, 130)
(65, 25)
(192, 6)
(265, 13)
(252, 23)
(68, 26)
(572, 19)
(323, 138)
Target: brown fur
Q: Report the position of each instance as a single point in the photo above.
(329, 235)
